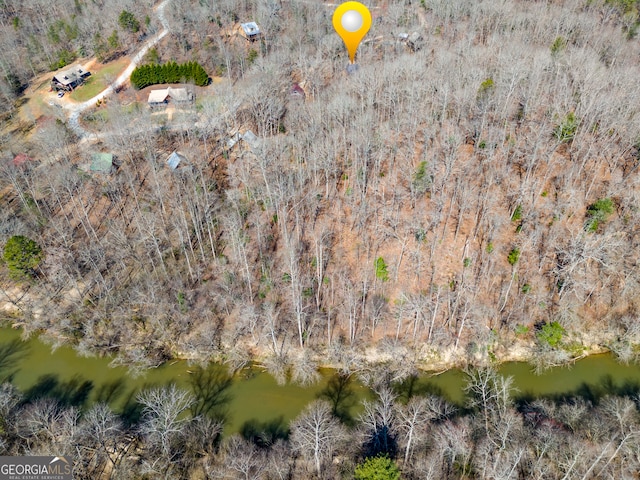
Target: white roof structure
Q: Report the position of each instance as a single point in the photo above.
(248, 136)
(176, 94)
(175, 159)
(157, 96)
(250, 29)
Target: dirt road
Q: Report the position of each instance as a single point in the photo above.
(74, 110)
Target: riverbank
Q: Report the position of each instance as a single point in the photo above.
(400, 358)
(252, 395)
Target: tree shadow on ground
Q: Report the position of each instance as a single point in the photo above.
(72, 393)
(264, 434)
(381, 441)
(342, 396)
(210, 387)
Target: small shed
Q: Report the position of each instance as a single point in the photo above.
(412, 40)
(175, 159)
(233, 139)
(297, 91)
(415, 41)
(248, 136)
(250, 30)
(251, 138)
(102, 162)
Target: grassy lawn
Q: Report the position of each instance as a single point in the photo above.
(100, 79)
(99, 117)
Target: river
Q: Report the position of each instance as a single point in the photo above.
(253, 399)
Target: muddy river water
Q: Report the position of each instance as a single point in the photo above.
(254, 397)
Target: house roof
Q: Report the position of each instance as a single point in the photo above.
(250, 29)
(101, 162)
(414, 37)
(177, 94)
(71, 75)
(296, 89)
(174, 160)
(157, 96)
(250, 137)
(233, 139)
(20, 159)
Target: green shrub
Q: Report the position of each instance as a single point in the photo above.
(598, 212)
(381, 269)
(551, 334)
(486, 87)
(377, 468)
(566, 130)
(517, 214)
(22, 256)
(514, 256)
(421, 179)
(152, 56)
(558, 45)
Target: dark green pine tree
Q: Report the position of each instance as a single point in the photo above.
(170, 72)
(201, 78)
(175, 73)
(183, 72)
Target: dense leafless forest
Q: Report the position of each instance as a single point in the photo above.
(471, 197)
(465, 197)
(382, 210)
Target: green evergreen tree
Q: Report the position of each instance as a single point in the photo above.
(128, 21)
(174, 73)
(201, 77)
(171, 72)
(114, 41)
(22, 256)
(100, 47)
(377, 468)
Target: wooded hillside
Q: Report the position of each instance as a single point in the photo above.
(469, 197)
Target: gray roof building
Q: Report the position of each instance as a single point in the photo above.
(102, 162)
(69, 79)
(175, 159)
(176, 95)
(251, 30)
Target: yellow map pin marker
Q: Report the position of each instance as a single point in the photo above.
(352, 21)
